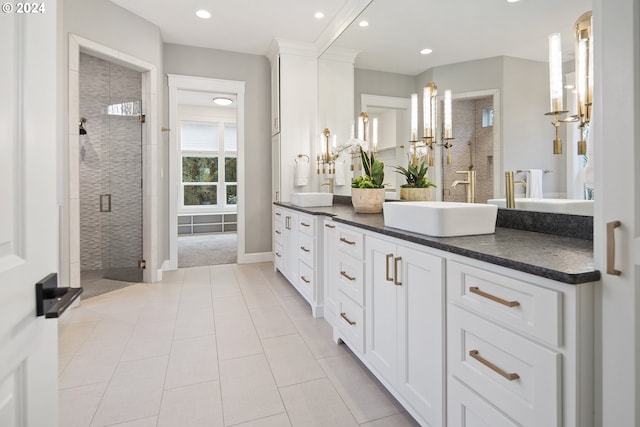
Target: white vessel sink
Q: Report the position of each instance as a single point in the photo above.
(441, 219)
(309, 200)
(566, 206)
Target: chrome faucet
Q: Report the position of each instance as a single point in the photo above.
(470, 183)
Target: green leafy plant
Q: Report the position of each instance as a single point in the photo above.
(373, 171)
(416, 175)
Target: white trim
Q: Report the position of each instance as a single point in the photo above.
(340, 22)
(70, 224)
(178, 82)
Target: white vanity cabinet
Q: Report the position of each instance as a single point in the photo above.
(405, 323)
(519, 348)
(297, 254)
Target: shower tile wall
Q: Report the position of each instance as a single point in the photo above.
(110, 163)
(472, 146)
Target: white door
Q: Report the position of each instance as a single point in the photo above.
(617, 194)
(28, 214)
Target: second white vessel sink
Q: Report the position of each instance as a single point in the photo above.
(309, 200)
(566, 206)
(441, 219)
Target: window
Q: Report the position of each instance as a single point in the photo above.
(209, 153)
(487, 116)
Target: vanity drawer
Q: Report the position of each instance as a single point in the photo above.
(350, 278)
(306, 281)
(307, 224)
(529, 308)
(277, 231)
(518, 376)
(278, 214)
(350, 242)
(466, 409)
(351, 322)
(306, 250)
(277, 254)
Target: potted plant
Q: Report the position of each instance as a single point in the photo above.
(418, 186)
(367, 190)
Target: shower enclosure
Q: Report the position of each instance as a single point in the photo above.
(110, 160)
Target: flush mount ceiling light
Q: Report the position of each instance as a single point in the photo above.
(204, 14)
(426, 51)
(319, 15)
(222, 101)
(512, 1)
(363, 24)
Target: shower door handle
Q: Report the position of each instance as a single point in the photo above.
(105, 203)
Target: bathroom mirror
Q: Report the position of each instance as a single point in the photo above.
(499, 48)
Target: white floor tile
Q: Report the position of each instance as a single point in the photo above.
(316, 403)
(271, 321)
(398, 420)
(318, 335)
(134, 392)
(290, 360)
(248, 390)
(366, 398)
(149, 339)
(192, 323)
(142, 422)
(237, 337)
(280, 420)
(79, 404)
(296, 307)
(197, 405)
(192, 360)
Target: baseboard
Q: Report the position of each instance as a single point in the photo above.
(254, 258)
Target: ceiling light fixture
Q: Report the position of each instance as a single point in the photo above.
(426, 51)
(319, 15)
(222, 101)
(204, 14)
(363, 24)
(512, 1)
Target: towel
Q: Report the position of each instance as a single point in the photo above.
(340, 173)
(301, 174)
(534, 186)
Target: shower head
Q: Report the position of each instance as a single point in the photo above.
(83, 131)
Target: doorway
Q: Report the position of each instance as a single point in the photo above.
(110, 155)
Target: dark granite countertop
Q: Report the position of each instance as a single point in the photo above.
(563, 259)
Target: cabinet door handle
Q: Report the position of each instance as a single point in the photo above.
(305, 249)
(476, 355)
(287, 223)
(345, 275)
(304, 224)
(476, 290)
(611, 248)
(330, 226)
(396, 261)
(348, 242)
(278, 214)
(349, 321)
(305, 280)
(278, 232)
(389, 278)
(278, 255)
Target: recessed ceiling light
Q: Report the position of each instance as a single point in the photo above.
(222, 101)
(426, 51)
(512, 1)
(363, 24)
(319, 15)
(204, 14)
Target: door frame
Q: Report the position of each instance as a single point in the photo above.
(70, 219)
(202, 84)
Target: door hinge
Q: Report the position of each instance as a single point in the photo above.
(142, 118)
(142, 264)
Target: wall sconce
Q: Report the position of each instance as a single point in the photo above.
(325, 157)
(555, 88)
(584, 75)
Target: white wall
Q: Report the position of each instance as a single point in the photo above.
(255, 71)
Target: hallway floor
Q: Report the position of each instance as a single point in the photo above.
(226, 345)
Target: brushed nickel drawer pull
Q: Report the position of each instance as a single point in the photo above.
(395, 271)
(476, 355)
(611, 248)
(278, 255)
(348, 242)
(330, 226)
(476, 290)
(304, 224)
(349, 321)
(344, 274)
(305, 249)
(278, 214)
(389, 278)
(278, 232)
(305, 280)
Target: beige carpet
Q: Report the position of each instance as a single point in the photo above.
(211, 249)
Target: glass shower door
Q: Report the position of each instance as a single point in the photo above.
(121, 200)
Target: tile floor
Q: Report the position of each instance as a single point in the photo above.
(225, 345)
